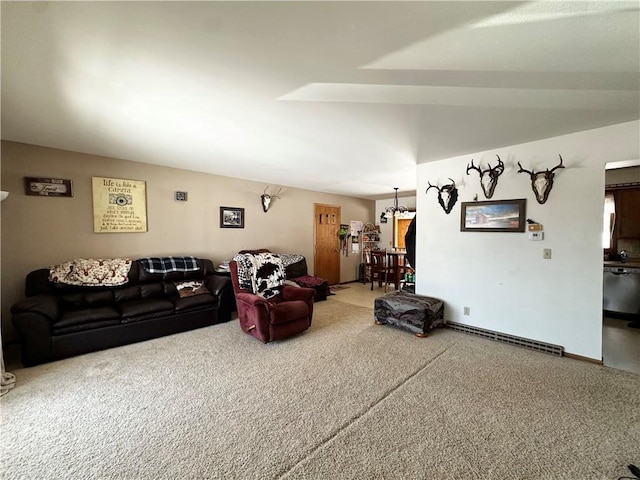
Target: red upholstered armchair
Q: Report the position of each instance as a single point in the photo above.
(287, 313)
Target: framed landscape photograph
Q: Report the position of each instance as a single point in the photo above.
(493, 216)
(231, 217)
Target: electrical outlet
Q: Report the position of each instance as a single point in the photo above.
(467, 311)
(546, 254)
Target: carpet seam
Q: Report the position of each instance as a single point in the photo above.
(364, 412)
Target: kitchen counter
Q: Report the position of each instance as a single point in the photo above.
(629, 264)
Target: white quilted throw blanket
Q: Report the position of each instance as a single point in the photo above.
(90, 272)
(267, 274)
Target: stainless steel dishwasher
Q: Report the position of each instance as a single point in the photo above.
(621, 290)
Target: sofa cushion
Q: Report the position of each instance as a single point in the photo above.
(193, 302)
(126, 294)
(297, 268)
(144, 307)
(191, 288)
(92, 272)
(80, 300)
(82, 327)
(87, 315)
(204, 268)
(152, 290)
(169, 264)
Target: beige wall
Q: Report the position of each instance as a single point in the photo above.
(39, 231)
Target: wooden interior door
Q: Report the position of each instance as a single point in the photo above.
(327, 243)
(401, 226)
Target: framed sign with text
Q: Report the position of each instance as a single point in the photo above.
(47, 187)
(119, 205)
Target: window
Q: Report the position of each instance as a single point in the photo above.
(608, 220)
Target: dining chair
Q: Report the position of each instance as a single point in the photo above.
(379, 268)
(395, 269)
(366, 265)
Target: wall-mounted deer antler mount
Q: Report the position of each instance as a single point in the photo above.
(265, 198)
(542, 181)
(447, 195)
(488, 177)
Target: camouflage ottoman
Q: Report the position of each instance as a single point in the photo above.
(416, 313)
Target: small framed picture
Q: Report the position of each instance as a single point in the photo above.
(47, 187)
(231, 217)
(181, 196)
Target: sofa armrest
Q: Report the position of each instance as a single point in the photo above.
(222, 287)
(217, 284)
(33, 318)
(290, 293)
(43, 304)
(251, 299)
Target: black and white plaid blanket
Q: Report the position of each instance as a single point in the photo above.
(169, 264)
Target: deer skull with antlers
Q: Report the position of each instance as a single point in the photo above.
(265, 198)
(447, 195)
(488, 177)
(542, 181)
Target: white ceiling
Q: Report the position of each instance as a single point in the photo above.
(342, 97)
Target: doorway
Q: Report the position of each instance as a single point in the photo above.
(620, 342)
(327, 242)
(401, 224)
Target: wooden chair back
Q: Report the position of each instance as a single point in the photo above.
(378, 267)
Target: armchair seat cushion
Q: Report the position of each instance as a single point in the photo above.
(288, 311)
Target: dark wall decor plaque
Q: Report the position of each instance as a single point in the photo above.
(47, 187)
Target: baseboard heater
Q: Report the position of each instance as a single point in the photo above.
(511, 339)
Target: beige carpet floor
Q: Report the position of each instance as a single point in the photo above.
(346, 399)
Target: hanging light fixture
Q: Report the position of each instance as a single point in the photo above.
(396, 209)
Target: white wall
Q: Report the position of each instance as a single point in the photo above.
(502, 277)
